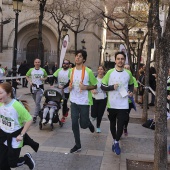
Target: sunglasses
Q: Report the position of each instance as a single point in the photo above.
(65, 63)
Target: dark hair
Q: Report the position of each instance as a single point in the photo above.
(120, 52)
(37, 59)
(72, 65)
(84, 54)
(152, 70)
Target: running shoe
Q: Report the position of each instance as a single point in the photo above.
(75, 149)
(43, 121)
(117, 149)
(113, 147)
(50, 121)
(98, 130)
(63, 119)
(29, 161)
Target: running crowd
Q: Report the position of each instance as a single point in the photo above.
(87, 93)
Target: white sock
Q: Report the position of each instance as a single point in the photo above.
(113, 141)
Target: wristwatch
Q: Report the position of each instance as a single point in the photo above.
(22, 135)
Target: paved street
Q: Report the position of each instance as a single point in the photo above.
(96, 151)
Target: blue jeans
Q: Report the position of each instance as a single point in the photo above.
(79, 113)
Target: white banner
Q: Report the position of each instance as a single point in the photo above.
(122, 48)
(63, 49)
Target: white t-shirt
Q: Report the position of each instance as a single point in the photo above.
(12, 118)
(36, 75)
(100, 93)
(123, 79)
(63, 78)
(82, 97)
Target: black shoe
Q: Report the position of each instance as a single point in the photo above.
(91, 127)
(151, 104)
(29, 161)
(34, 119)
(30, 142)
(75, 149)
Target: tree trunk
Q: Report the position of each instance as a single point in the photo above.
(160, 155)
(145, 99)
(162, 56)
(75, 39)
(40, 44)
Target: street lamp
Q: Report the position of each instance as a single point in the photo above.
(83, 42)
(134, 45)
(17, 7)
(64, 31)
(106, 61)
(100, 50)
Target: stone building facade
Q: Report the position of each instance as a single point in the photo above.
(28, 36)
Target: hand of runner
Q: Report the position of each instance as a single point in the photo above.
(70, 88)
(60, 87)
(94, 91)
(19, 138)
(116, 86)
(82, 86)
(130, 93)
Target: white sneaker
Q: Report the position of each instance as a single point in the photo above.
(43, 121)
(50, 121)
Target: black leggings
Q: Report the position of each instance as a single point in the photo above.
(65, 108)
(97, 110)
(127, 121)
(10, 158)
(118, 116)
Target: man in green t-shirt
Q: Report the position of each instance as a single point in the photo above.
(118, 82)
(82, 80)
(36, 77)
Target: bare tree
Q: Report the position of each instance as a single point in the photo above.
(77, 18)
(162, 58)
(119, 18)
(57, 10)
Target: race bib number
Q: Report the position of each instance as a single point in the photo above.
(6, 123)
